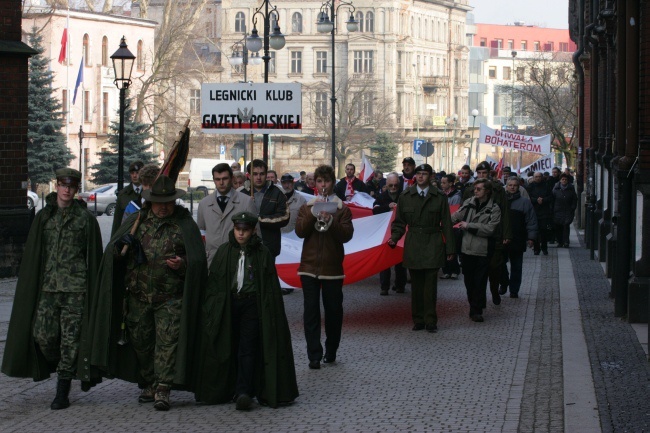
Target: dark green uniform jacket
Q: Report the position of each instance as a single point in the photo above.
(101, 354)
(22, 358)
(275, 378)
(428, 220)
(124, 197)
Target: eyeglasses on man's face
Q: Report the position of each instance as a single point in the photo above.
(67, 186)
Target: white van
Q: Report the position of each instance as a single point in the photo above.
(200, 173)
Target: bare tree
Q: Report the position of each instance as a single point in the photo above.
(360, 114)
(545, 88)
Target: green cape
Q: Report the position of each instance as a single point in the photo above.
(22, 357)
(275, 378)
(101, 354)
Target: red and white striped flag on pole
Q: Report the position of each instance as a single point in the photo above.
(64, 46)
(366, 170)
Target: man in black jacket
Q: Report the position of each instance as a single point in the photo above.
(350, 184)
(271, 204)
(542, 198)
(386, 202)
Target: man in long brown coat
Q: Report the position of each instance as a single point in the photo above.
(429, 243)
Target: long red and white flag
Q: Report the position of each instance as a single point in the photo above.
(63, 54)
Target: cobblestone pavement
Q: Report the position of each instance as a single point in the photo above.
(503, 375)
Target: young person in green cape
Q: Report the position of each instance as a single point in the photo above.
(55, 285)
(246, 343)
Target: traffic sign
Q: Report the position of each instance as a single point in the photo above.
(222, 149)
(422, 147)
(416, 145)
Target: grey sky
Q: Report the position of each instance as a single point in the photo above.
(546, 13)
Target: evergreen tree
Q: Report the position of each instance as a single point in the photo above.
(384, 151)
(135, 148)
(47, 150)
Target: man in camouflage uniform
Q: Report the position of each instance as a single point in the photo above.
(57, 275)
(155, 278)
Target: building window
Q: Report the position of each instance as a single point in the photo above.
(561, 74)
(321, 104)
(399, 64)
(367, 104)
(296, 22)
(140, 56)
(86, 50)
(64, 104)
(104, 51)
(359, 18)
(520, 73)
(321, 62)
(240, 22)
(363, 62)
(507, 73)
(87, 107)
(208, 29)
(296, 62)
(483, 42)
(511, 44)
(524, 45)
(500, 44)
(492, 72)
(564, 47)
(195, 101)
(536, 46)
(105, 118)
(272, 62)
(370, 22)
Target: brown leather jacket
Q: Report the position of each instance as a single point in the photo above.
(322, 251)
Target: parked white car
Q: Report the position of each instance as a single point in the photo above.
(33, 199)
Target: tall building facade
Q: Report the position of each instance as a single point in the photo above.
(91, 39)
(404, 71)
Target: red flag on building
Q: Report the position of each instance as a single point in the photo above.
(64, 46)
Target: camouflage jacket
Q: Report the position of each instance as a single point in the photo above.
(154, 281)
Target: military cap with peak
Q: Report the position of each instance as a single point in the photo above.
(483, 166)
(163, 190)
(424, 167)
(136, 166)
(244, 218)
(68, 175)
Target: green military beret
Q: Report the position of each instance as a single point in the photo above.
(245, 218)
(68, 175)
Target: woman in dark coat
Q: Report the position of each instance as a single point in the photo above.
(564, 209)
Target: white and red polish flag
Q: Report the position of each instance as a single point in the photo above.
(366, 254)
(64, 46)
(366, 170)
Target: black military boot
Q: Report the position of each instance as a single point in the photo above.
(62, 391)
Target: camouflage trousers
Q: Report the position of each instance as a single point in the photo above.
(56, 329)
(154, 329)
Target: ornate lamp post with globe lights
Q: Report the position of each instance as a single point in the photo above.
(327, 24)
(273, 40)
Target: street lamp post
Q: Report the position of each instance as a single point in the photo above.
(453, 142)
(273, 40)
(81, 149)
(123, 61)
(512, 95)
(474, 114)
(327, 24)
(444, 152)
(417, 101)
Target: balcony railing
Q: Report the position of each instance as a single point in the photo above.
(434, 81)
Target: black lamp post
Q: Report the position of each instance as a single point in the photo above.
(273, 40)
(327, 24)
(123, 61)
(81, 142)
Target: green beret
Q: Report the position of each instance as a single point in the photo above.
(245, 218)
(70, 173)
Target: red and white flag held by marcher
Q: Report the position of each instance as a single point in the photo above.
(366, 170)
(499, 168)
(64, 46)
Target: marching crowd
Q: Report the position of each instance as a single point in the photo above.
(176, 304)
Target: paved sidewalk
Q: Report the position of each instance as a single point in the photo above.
(553, 360)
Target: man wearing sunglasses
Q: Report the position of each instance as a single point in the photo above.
(386, 202)
(56, 281)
